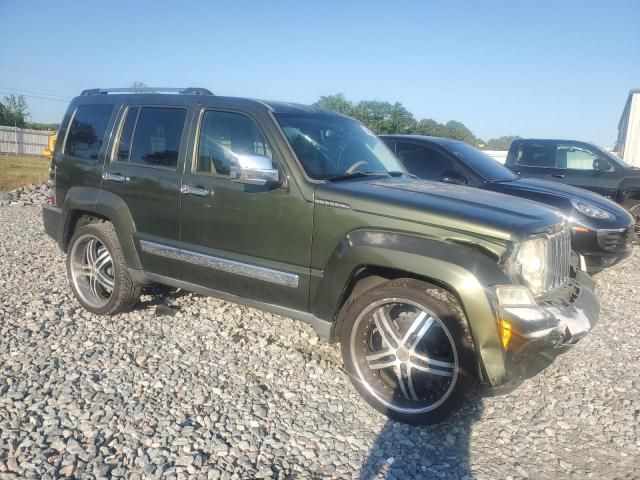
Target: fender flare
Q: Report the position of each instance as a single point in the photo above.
(107, 205)
(463, 270)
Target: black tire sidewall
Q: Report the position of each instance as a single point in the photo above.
(451, 316)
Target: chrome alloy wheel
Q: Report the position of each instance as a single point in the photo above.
(404, 355)
(92, 270)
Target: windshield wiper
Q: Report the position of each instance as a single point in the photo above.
(346, 176)
(395, 173)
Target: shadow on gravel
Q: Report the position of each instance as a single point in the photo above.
(435, 451)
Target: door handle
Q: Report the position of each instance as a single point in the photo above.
(197, 191)
(114, 177)
(559, 175)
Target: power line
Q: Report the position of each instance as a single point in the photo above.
(36, 91)
(35, 96)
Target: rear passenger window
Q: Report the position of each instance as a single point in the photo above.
(223, 136)
(87, 130)
(532, 155)
(151, 136)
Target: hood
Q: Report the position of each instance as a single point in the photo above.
(559, 195)
(451, 207)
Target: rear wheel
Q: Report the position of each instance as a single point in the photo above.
(97, 271)
(408, 351)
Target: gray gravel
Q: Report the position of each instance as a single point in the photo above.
(222, 391)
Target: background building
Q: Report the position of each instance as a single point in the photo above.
(628, 144)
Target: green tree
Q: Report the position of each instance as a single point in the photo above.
(336, 103)
(15, 111)
(501, 143)
(385, 117)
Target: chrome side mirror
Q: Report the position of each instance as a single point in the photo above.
(253, 170)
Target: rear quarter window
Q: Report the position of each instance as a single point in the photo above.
(87, 131)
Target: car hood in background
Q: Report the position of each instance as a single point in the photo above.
(558, 195)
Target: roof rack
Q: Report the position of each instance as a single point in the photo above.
(180, 91)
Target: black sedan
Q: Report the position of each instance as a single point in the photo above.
(602, 231)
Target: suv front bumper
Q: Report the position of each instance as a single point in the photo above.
(541, 333)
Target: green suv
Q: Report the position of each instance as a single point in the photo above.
(431, 289)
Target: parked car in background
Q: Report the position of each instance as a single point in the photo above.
(304, 212)
(579, 164)
(601, 230)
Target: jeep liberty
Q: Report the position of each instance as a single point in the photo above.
(431, 289)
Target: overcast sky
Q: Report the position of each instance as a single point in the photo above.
(540, 69)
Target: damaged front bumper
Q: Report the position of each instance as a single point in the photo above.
(538, 334)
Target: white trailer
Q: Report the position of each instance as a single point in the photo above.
(628, 144)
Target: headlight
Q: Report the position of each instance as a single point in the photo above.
(531, 262)
(590, 210)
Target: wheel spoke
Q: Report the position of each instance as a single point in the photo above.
(102, 258)
(422, 323)
(403, 387)
(377, 365)
(93, 285)
(412, 390)
(386, 328)
(91, 253)
(104, 280)
(377, 356)
(445, 369)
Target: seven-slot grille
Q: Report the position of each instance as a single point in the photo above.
(558, 259)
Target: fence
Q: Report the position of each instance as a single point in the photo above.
(23, 141)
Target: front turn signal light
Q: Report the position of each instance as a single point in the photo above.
(505, 333)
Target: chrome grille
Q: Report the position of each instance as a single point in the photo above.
(558, 259)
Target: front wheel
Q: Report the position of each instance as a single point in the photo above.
(633, 207)
(408, 351)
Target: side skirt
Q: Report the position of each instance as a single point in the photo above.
(323, 328)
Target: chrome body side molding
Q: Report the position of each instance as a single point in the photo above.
(222, 264)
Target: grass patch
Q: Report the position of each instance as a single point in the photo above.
(20, 170)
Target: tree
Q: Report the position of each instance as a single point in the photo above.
(336, 103)
(385, 117)
(15, 111)
(501, 143)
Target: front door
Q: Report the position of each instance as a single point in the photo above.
(144, 172)
(575, 166)
(246, 240)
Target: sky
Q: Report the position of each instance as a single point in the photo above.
(534, 69)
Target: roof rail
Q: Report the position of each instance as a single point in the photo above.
(181, 91)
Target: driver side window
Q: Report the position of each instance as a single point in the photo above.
(225, 135)
(575, 157)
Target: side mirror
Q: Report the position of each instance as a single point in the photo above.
(454, 178)
(601, 165)
(253, 170)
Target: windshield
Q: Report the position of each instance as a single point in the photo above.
(330, 146)
(487, 167)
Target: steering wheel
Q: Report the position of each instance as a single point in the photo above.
(354, 167)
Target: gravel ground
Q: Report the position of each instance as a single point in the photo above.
(222, 391)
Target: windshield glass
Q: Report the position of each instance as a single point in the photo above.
(487, 167)
(329, 145)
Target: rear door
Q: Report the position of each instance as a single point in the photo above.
(143, 170)
(534, 160)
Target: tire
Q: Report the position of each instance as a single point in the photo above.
(633, 207)
(426, 338)
(97, 271)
